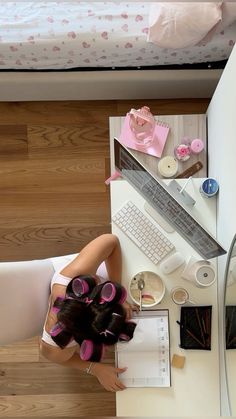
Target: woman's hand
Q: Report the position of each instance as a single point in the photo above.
(129, 308)
(107, 376)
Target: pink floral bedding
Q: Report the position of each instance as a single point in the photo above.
(64, 35)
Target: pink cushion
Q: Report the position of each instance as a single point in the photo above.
(180, 24)
(228, 17)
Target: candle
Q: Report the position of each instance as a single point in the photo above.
(168, 166)
(182, 152)
(209, 187)
(197, 146)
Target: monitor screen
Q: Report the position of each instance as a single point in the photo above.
(156, 193)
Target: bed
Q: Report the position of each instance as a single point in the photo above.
(100, 50)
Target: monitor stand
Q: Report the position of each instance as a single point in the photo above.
(180, 194)
(158, 218)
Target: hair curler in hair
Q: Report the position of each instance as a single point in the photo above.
(112, 292)
(90, 351)
(58, 328)
(108, 292)
(127, 331)
(123, 295)
(55, 309)
(83, 285)
(60, 336)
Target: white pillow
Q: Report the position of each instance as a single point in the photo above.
(180, 25)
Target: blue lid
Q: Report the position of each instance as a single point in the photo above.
(210, 186)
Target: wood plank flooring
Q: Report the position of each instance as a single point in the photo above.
(54, 158)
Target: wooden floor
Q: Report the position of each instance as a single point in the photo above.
(54, 158)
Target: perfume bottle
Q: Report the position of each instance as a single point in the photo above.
(142, 124)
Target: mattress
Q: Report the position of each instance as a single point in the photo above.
(76, 35)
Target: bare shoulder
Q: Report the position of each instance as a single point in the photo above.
(56, 354)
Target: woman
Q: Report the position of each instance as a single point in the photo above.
(104, 248)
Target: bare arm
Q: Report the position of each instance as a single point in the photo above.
(106, 374)
(104, 248)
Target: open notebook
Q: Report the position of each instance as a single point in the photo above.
(147, 355)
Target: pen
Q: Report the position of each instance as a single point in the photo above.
(194, 337)
(200, 326)
(204, 326)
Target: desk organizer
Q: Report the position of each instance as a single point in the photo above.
(195, 327)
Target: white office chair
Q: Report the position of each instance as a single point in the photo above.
(24, 292)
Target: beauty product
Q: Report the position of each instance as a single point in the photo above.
(197, 146)
(200, 272)
(142, 124)
(209, 187)
(182, 152)
(168, 166)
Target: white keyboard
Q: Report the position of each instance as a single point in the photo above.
(143, 232)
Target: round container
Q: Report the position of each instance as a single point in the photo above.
(197, 146)
(205, 276)
(209, 187)
(153, 291)
(179, 295)
(142, 124)
(168, 166)
(182, 152)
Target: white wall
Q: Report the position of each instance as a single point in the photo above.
(222, 165)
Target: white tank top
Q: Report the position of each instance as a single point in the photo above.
(61, 280)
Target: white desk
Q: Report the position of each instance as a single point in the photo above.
(195, 388)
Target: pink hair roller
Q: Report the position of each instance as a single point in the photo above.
(91, 351)
(56, 329)
(108, 292)
(57, 309)
(80, 287)
(86, 349)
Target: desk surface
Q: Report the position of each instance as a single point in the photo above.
(195, 388)
(190, 126)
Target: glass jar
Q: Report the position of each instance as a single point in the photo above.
(142, 124)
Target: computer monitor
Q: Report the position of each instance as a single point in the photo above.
(156, 193)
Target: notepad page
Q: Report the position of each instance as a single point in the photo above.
(150, 334)
(146, 356)
(149, 369)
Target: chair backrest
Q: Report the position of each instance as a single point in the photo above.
(24, 292)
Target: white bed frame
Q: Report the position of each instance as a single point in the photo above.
(105, 85)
